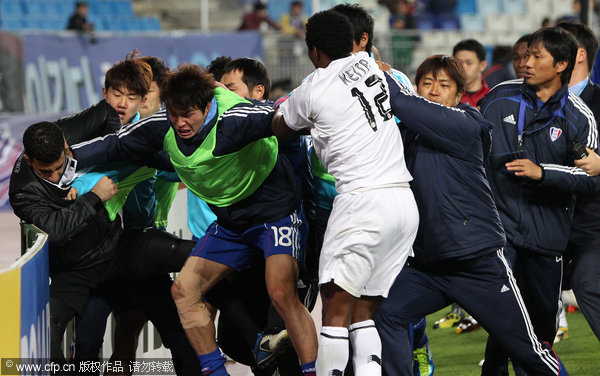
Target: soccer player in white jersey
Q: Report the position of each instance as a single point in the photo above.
(345, 105)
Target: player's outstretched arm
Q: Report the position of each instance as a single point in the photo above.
(280, 128)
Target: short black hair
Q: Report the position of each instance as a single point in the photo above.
(187, 87)
(259, 6)
(361, 21)
(470, 45)
(560, 44)
(160, 70)
(44, 142)
(253, 73)
(585, 38)
(330, 32)
(217, 65)
(524, 39)
(131, 73)
(436, 63)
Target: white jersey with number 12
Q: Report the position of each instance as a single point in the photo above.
(346, 106)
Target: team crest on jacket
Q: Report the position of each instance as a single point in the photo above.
(555, 133)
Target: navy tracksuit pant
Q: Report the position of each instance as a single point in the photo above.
(585, 281)
(485, 287)
(539, 278)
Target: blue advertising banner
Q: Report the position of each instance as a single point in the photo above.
(65, 72)
(35, 305)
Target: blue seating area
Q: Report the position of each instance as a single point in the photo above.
(466, 14)
(106, 15)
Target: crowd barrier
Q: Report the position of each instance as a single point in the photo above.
(25, 301)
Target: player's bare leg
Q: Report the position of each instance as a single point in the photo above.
(196, 278)
(281, 274)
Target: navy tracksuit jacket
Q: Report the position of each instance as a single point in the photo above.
(458, 250)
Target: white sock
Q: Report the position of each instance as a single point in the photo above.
(366, 347)
(562, 317)
(333, 351)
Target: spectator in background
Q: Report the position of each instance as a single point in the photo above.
(293, 22)
(257, 18)
(500, 69)
(78, 20)
(546, 22)
(402, 17)
(440, 7)
(574, 16)
(471, 54)
(520, 55)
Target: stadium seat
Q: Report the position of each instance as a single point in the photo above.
(434, 38)
(524, 23)
(122, 8)
(539, 7)
(11, 24)
(97, 21)
(448, 22)
(152, 23)
(10, 8)
(486, 7)
(36, 7)
(498, 23)
(472, 22)
(426, 21)
(117, 23)
(514, 6)
(466, 6)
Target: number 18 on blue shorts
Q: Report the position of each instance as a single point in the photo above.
(237, 250)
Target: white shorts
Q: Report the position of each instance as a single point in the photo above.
(369, 236)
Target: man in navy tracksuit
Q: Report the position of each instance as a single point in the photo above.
(458, 249)
(530, 171)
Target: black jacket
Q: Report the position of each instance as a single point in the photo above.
(445, 151)
(586, 221)
(537, 215)
(98, 120)
(80, 233)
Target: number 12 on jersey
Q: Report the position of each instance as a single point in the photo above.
(379, 100)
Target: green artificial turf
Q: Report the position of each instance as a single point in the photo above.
(459, 354)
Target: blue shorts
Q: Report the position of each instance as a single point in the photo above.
(286, 236)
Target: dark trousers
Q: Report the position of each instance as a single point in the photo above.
(142, 256)
(60, 315)
(539, 278)
(585, 281)
(484, 286)
(152, 297)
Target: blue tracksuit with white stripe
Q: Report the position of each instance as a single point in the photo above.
(276, 198)
(458, 249)
(536, 215)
